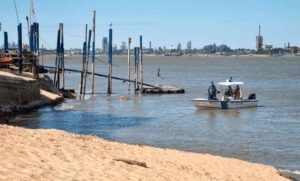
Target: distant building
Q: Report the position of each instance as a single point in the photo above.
(150, 46)
(115, 48)
(259, 41)
(189, 46)
(179, 47)
(268, 47)
(123, 46)
(104, 45)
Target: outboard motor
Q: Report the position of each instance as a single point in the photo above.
(252, 96)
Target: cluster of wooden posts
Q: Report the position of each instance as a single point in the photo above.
(90, 37)
(86, 57)
(138, 66)
(25, 57)
(86, 54)
(59, 74)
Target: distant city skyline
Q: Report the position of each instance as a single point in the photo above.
(164, 23)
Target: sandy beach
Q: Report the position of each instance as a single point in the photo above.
(57, 155)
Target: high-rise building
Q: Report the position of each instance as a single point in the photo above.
(104, 45)
(115, 48)
(179, 47)
(189, 46)
(259, 41)
(123, 46)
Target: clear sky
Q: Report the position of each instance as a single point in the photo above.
(164, 22)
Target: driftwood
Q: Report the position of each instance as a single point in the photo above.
(132, 162)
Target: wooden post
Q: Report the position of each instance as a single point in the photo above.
(93, 55)
(83, 65)
(129, 42)
(20, 60)
(56, 73)
(5, 41)
(59, 58)
(141, 63)
(87, 61)
(83, 59)
(42, 54)
(109, 87)
(37, 48)
(62, 51)
(136, 70)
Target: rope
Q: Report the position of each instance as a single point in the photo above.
(45, 42)
(103, 61)
(16, 11)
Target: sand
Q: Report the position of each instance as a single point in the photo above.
(57, 155)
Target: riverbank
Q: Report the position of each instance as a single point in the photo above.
(28, 154)
(23, 92)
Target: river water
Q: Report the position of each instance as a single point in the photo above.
(267, 134)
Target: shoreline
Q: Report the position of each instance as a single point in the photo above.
(37, 154)
(194, 55)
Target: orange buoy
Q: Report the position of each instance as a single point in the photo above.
(122, 98)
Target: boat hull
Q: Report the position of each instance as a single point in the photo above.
(5, 61)
(231, 104)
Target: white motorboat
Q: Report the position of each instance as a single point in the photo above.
(227, 101)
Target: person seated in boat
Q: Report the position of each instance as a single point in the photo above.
(238, 95)
(212, 92)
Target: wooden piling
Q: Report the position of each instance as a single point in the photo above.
(5, 41)
(93, 55)
(83, 59)
(20, 60)
(56, 72)
(141, 62)
(42, 54)
(129, 42)
(38, 47)
(62, 56)
(136, 69)
(109, 87)
(83, 65)
(87, 61)
(59, 60)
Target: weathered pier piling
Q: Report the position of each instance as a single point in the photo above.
(128, 62)
(83, 59)
(141, 62)
(20, 60)
(59, 60)
(136, 69)
(5, 41)
(87, 58)
(93, 52)
(109, 87)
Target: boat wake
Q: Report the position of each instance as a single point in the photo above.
(64, 107)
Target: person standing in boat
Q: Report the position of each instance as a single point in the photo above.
(228, 93)
(212, 92)
(238, 93)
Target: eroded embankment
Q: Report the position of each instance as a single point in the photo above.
(23, 92)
